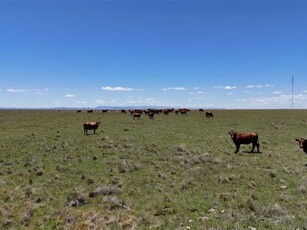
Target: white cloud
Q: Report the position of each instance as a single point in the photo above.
(200, 92)
(18, 90)
(99, 101)
(37, 91)
(230, 87)
(218, 87)
(81, 102)
(180, 88)
(241, 100)
(254, 86)
(259, 86)
(69, 95)
(108, 88)
(277, 92)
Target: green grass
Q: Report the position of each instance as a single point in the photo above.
(172, 172)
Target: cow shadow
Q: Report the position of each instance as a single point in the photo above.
(252, 153)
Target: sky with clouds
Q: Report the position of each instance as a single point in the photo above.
(233, 54)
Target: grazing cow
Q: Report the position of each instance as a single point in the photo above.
(104, 110)
(136, 115)
(90, 111)
(201, 110)
(209, 114)
(302, 143)
(78, 111)
(90, 125)
(122, 111)
(244, 138)
(166, 112)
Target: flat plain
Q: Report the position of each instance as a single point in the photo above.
(172, 172)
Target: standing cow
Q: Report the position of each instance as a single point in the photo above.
(90, 125)
(302, 142)
(244, 138)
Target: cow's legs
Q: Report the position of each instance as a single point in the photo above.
(238, 148)
(253, 148)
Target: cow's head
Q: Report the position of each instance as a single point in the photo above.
(300, 141)
(233, 134)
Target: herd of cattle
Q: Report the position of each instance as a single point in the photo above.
(237, 138)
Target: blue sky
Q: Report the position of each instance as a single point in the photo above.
(221, 54)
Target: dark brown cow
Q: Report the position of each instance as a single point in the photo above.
(78, 111)
(90, 111)
(104, 110)
(123, 111)
(209, 114)
(244, 138)
(201, 110)
(90, 125)
(184, 111)
(302, 142)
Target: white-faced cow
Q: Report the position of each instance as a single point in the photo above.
(91, 125)
(244, 138)
(302, 142)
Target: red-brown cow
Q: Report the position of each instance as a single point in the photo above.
(90, 125)
(244, 138)
(302, 142)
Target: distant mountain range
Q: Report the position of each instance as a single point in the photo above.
(103, 107)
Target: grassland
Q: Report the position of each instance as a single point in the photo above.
(173, 172)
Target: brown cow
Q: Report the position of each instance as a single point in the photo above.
(136, 115)
(302, 142)
(244, 138)
(104, 110)
(209, 114)
(78, 111)
(90, 125)
(90, 111)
